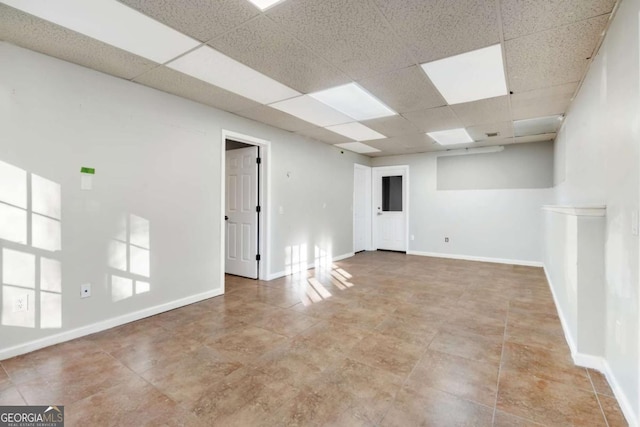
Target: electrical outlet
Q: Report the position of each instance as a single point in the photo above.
(413, 237)
(446, 240)
(21, 303)
(85, 290)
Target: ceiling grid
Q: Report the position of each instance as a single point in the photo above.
(300, 47)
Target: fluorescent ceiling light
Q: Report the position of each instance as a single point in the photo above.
(358, 147)
(353, 101)
(537, 126)
(451, 137)
(213, 67)
(465, 151)
(356, 131)
(312, 111)
(264, 4)
(113, 23)
(470, 76)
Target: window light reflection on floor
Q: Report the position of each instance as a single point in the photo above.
(316, 280)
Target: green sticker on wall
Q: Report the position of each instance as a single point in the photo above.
(90, 171)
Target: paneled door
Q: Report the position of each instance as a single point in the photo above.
(241, 209)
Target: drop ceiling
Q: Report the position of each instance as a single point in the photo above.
(302, 47)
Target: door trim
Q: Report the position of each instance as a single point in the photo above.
(405, 203)
(264, 190)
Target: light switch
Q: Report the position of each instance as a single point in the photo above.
(634, 223)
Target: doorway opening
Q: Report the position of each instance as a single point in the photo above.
(244, 200)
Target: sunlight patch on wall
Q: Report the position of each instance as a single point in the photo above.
(31, 240)
(295, 259)
(323, 258)
(130, 253)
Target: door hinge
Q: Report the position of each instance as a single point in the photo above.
(258, 160)
(258, 257)
(257, 208)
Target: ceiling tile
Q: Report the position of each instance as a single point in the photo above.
(552, 57)
(407, 89)
(522, 17)
(358, 147)
(434, 119)
(200, 19)
(174, 82)
(321, 134)
(265, 48)
(479, 132)
(350, 34)
(387, 147)
(392, 126)
(276, 118)
(535, 138)
(408, 144)
(438, 29)
(45, 37)
(542, 102)
(492, 110)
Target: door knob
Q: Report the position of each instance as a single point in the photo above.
(226, 218)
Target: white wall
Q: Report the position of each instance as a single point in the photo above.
(156, 156)
(597, 151)
(501, 170)
(498, 224)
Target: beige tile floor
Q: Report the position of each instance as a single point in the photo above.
(378, 339)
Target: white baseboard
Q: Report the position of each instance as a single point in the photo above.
(580, 359)
(343, 256)
(82, 331)
(594, 362)
(588, 361)
(280, 274)
(477, 258)
(621, 397)
(274, 276)
(563, 322)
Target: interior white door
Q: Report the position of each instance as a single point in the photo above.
(241, 198)
(390, 213)
(361, 208)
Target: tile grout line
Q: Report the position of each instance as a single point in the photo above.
(597, 397)
(504, 340)
(13, 384)
(395, 395)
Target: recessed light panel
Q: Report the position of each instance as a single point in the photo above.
(264, 4)
(113, 23)
(470, 76)
(537, 126)
(213, 67)
(306, 108)
(353, 101)
(356, 131)
(451, 137)
(358, 147)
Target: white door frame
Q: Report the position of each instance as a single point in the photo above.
(264, 189)
(369, 243)
(405, 203)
